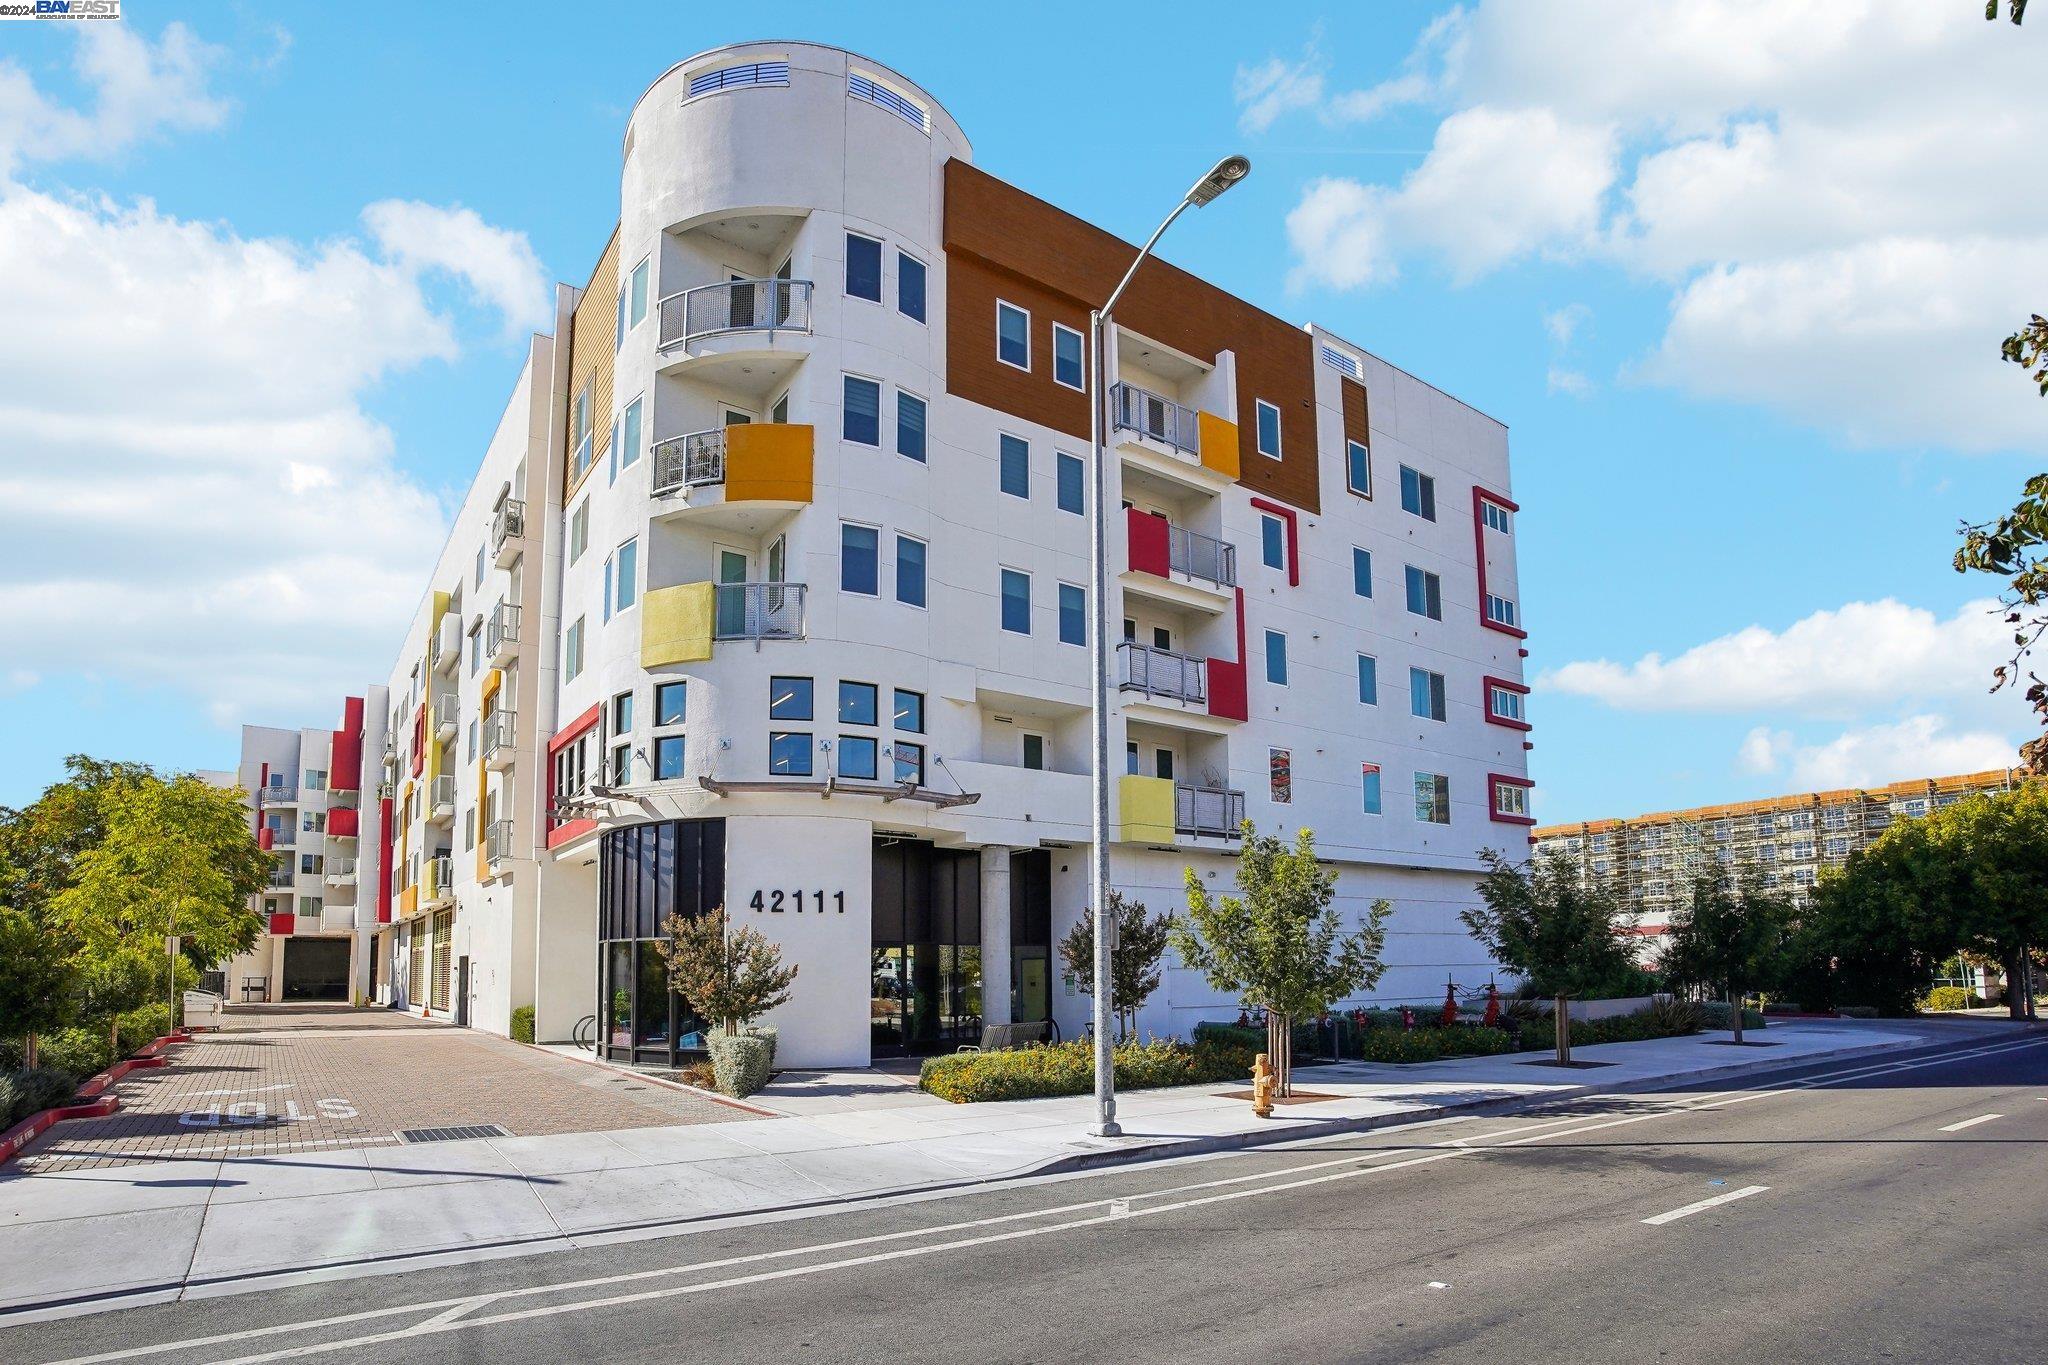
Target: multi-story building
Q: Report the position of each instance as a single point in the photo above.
(305, 790)
(771, 594)
(1649, 859)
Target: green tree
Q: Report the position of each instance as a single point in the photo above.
(1559, 931)
(38, 983)
(1134, 963)
(40, 844)
(1279, 945)
(1992, 855)
(2016, 8)
(730, 976)
(173, 857)
(1729, 936)
(1866, 936)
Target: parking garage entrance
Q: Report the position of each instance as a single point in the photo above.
(315, 969)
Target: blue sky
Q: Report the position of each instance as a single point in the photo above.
(1740, 315)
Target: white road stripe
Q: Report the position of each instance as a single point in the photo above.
(1969, 1123)
(1690, 1209)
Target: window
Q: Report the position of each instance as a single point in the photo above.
(910, 424)
(619, 324)
(1501, 611)
(622, 713)
(1368, 680)
(908, 762)
(1358, 468)
(858, 703)
(637, 293)
(1280, 776)
(476, 648)
(479, 566)
(1131, 757)
(1504, 703)
(1016, 602)
(572, 652)
(910, 286)
(789, 754)
(470, 755)
(1418, 494)
(861, 420)
(1269, 428)
(1510, 801)
(1837, 848)
(1034, 751)
(1071, 497)
(1426, 693)
(908, 711)
(579, 531)
(1162, 763)
(1496, 517)
(1272, 542)
(579, 434)
(910, 577)
(867, 89)
(1013, 335)
(1015, 472)
(1371, 789)
(1276, 658)
(1073, 615)
(859, 571)
(620, 773)
(1425, 594)
(789, 698)
(1361, 571)
(1433, 798)
(469, 829)
(668, 758)
(863, 267)
(1066, 356)
(629, 441)
(671, 703)
(780, 412)
(309, 905)
(626, 584)
(858, 756)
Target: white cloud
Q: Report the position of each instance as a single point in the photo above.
(1558, 379)
(1918, 746)
(1830, 664)
(1275, 87)
(497, 264)
(1763, 750)
(1563, 323)
(138, 90)
(1783, 158)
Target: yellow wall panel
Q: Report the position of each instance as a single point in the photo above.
(675, 624)
(768, 462)
(1219, 443)
(1144, 810)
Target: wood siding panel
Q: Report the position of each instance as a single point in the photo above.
(1002, 242)
(1356, 424)
(592, 330)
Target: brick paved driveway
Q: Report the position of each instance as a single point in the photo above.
(282, 1078)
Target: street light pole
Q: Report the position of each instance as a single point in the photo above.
(1221, 177)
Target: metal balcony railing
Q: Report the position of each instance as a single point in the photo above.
(759, 611)
(341, 869)
(1207, 810)
(286, 837)
(276, 796)
(1200, 556)
(282, 879)
(691, 461)
(503, 630)
(1150, 415)
(508, 523)
(771, 305)
(501, 734)
(440, 877)
(444, 791)
(1161, 672)
(445, 717)
(498, 840)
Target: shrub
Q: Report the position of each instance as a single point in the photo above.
(1069, 1069)
(1667, 1018)
(1951, 998)
(1716, 1014)
(522, 1024)
(769, 1032)
(9, 1097)
(79, 1051)
(13, 1052)
(1435, 1043)
(740, 1062)
(1857, 1011)
(143, 1026)
(37, 1088)
(1232, 1035)
(1674, 1016)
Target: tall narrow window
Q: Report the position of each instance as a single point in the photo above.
(1073, 615)
(1372, 789)
(910, 571)
(1369, 680)
(572, 651)
(1066, 356)
(629, 444)
(1276, 658)
(910, 423)
(1071, 484)
(1272, 542)
(579, 530)
(1268, 428)
(1016, 602)
(861, 420)
(1013, 335)
(863, 267)
(1426, 694)
(910, 286)
(626, 585)
(1358, 468)
(639, 293)
(859, 570)
(1016, 466)
(1361, 572)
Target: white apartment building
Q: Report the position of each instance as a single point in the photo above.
(305, 790)
(771, 593)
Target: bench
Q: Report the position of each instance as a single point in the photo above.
(1006, 1037)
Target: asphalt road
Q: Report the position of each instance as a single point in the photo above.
(1886, 1209)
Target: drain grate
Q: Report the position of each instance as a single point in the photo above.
(454, 1134)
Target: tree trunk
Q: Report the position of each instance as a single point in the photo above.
(1561, 1019)
(114, 1039)
(29, 1048)
(732, 1028)
(2015, 966)
(1735, 1012)
(1280, 1048)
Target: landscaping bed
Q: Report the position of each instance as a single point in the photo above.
(1069, 1069)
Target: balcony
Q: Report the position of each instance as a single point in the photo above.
(498, 841)
(1175, 565)
(343, 822)
(282, 878)
(444, 644)
(441, 804)
(1162, 674)
(728, 477)
(1155, 418)
(693, 461)
(1207, 810)
(440, 879)
(757, 611)
(286, 837)
(501, 735)
(341, 871)
(447, 724)
(1169, 446)
(501, 636)
(710, 310)
(508, 532)
(277, 796)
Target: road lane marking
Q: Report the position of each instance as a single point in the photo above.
(1703, 1205)
(435, 1324)
(1969, 1123)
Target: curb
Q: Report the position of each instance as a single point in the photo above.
(712, 1095)
(100, 1104)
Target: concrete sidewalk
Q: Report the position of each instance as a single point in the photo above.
(157, 1229)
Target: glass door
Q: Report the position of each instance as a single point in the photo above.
(732, 598)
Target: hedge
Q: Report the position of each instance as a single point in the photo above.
(1717, 1014)
(1943, 998)
(1663, 1019)
(1069, 1069)
(25, 1091)
(740, 1062)
(522, 1024)
(1435, 1043)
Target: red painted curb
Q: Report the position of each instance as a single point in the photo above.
(98, 1105)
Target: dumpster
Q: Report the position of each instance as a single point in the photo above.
(202, 1010)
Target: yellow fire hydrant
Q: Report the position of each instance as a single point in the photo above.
(1262, 1087)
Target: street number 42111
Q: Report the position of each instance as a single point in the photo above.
(792, 902)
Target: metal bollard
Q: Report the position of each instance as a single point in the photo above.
(1262, 1086)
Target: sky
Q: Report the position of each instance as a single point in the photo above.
(1733, 272)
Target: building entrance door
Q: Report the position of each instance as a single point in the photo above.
(315, 969)
(926, 960)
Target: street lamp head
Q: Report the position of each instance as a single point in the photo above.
(1226, 173)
